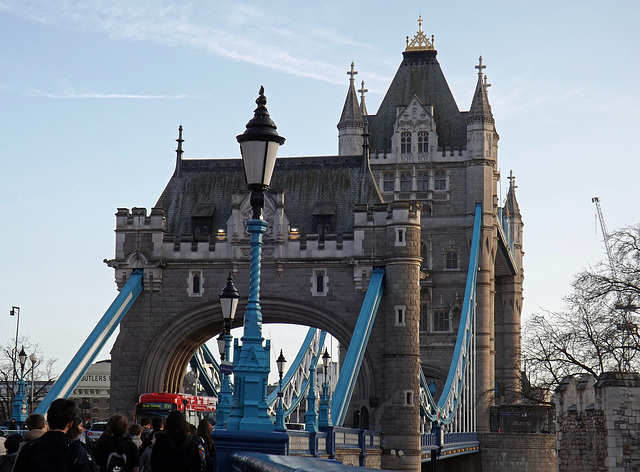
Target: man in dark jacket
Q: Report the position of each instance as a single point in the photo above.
(54, 451)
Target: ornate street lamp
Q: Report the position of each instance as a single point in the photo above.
(258, 145)
(229, 298)
(324, 414)
(20, 410)
(280, 426)
(33, 358)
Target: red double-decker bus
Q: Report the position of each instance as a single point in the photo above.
(161, 404)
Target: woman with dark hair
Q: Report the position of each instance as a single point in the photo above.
(204, 432)
(176, 450)
(76, 432)
(115, 448)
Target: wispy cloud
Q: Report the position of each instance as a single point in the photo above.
(74, 95)
(238, 31)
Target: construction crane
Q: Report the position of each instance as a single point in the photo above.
(605, 236)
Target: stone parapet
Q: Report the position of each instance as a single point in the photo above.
(518, 451)
(598, 423)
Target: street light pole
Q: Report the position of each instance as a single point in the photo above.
(324, 413)
(279, 425)
(15, 311)
(33, 358)
(258, 145)
(20, 410)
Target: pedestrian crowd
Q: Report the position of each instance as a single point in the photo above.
(59, 444)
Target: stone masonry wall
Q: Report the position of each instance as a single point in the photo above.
(518, 451)
(598, 423)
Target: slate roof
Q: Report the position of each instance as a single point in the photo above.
(419, 74)
(201, 187)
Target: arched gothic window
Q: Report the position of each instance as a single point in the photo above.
(405, 182)
(405, 142)
(440, 181)
(423, 141)
(423, 181)
(387, 182)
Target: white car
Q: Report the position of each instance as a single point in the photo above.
(96, 430)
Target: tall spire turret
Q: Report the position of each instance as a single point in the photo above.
(179, 152)
(512, 203)
(351, 123)
(363, 107)
(480, 109)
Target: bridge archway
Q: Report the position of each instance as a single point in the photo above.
(174, 344)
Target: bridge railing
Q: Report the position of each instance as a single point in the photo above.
(326, 442)
(453, 444)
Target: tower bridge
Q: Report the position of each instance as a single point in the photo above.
(413, 193)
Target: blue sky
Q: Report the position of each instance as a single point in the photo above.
(93, 92)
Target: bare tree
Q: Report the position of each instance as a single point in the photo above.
(598, 332)
(9, 369)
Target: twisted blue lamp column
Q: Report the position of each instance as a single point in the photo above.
(251, 358)
(249, 427)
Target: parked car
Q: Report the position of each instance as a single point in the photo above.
(96, 430)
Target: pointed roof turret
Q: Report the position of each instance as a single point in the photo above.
(419, 75)
(363, 107)
(351, 113)
(512, 203)
(179, 152)
(480, 111)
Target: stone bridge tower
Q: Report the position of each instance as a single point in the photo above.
(403, 201)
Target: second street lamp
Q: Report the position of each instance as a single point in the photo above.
(229, 298)
(20, 410)
(324, 412)
(280, 426)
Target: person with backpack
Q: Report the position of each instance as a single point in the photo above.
(204, 432)
(176, 449)
(115, 451)
(54, 451)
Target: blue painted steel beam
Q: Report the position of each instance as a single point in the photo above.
(452, 389)
(203, 375)
(88, 352)
(293, 369)
(357, 347)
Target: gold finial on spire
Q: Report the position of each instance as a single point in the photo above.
(420, 42)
